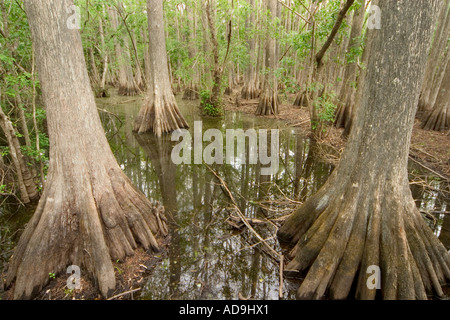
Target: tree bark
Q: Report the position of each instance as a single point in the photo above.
(439, 117)
(365, 215)
(434, 62)
(89, 212)
(348, 90)
(217, 69)
(268, 100)
(159, 112)
(127, 85)
(25, 175)
(250, 90)
(192, 91)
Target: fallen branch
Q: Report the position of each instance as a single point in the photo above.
(241, 215)
(280, 288)
(123, 294)
(429, 169)
(110, 113)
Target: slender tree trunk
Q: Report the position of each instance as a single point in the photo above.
(127, 85)
(348, 90)
(35, 124)
(439, 117)
(89, 212)
(434, 62)
(250, 90)
(304, 78)
(365, 215)
(192, 91)
(268, 100)
(94, 71)
(104, 53)
(147, 63)
(139, 77)
(23, 120)
(159, 112)
(217, 69)
(25, 177)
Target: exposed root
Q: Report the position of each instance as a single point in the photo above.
(337, 236)
(249, 91)
(87, 227)
(128, 90)
(228, 91)
(191, 93)
(268, 103)
(159, 114)
(438, 119)
(301, 99)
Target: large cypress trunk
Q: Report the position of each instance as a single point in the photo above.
(89, 212)
(365, 214)
(159, 113)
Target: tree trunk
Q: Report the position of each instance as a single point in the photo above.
(159, 112)
(250, 90)
(429, 85)
(268, 100)
(365, 215)
(105, 56)
(89, 212)
(217, 69)
(25, 177)
(348, 90)
(147, 63)
(318, 75)
(192, 91)
(127, 85)
(439, 117)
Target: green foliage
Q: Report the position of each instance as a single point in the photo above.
(355, 52)
(207, 107)
(325, 109)
(68, 292)
(4, 151)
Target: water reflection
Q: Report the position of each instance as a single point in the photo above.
(207, 259)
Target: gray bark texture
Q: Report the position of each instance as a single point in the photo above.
(268, 100)
(89, 212)
(365, 214)
(159, 113)
(250, 89)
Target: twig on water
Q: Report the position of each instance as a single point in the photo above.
(244, 219)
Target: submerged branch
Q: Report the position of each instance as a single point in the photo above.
(241, 215)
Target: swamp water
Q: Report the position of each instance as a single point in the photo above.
(207, 257)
